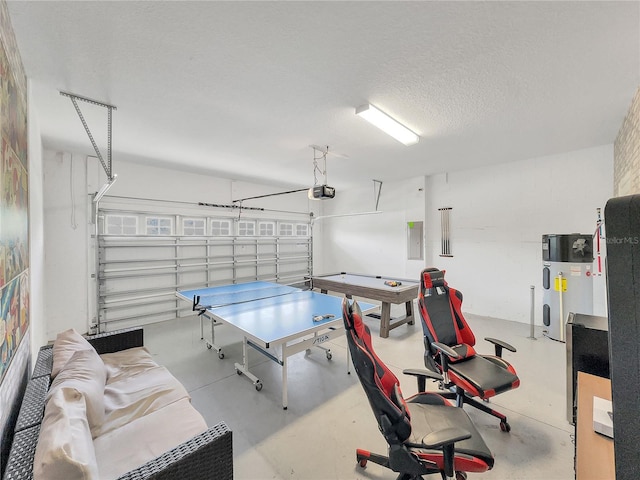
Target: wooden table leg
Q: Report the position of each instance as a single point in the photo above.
(385, 319)
(409, 308)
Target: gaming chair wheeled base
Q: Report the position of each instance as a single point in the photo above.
(504, 425)
(364, 456)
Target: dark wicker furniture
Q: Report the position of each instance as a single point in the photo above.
(208, 455)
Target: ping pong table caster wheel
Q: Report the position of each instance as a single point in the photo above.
(505, 427)
(239, 372)
(209, 346)
(220, 355)
(329, 355)
(259, 386)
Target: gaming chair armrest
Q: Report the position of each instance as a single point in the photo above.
(446, 352)
(445, 436)
(499, 344)
(401, 460)
(442, 348)
(418, 372)
(422, 375)
(445, 439)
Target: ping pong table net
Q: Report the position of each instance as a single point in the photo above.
(236, 298)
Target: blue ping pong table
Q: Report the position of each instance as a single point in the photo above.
(276, 320)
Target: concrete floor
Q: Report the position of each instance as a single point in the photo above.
(329, 417)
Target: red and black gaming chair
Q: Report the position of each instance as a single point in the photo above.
(449, 342)
(421, 432)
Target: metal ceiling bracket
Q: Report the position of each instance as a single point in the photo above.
(377, 186)
(323, 155)
(106, 165)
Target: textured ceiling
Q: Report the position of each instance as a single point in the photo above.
(241, 89)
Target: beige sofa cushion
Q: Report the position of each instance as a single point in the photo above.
(85, 372)
(143, 439)
(65, 450)
(127, 362)
(65, 345)
(137, 395)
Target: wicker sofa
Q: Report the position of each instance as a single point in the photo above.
(206, 455)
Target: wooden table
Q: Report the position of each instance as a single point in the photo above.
(594, 452)
(374, 288)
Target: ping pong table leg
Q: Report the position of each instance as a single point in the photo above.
(211, 344)
(244, 368)
(285, 400)
(213, 332)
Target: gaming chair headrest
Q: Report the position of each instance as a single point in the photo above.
(432, 278)
(348, 309)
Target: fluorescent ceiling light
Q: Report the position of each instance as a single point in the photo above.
(387, 124)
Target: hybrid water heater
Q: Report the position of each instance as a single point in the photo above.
(566, 280)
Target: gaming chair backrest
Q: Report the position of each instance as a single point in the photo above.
(379, 383)
(441, 311)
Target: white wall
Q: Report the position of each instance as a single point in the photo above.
(499, 216)
(372, 244)
(65, 233)
(36, 234)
